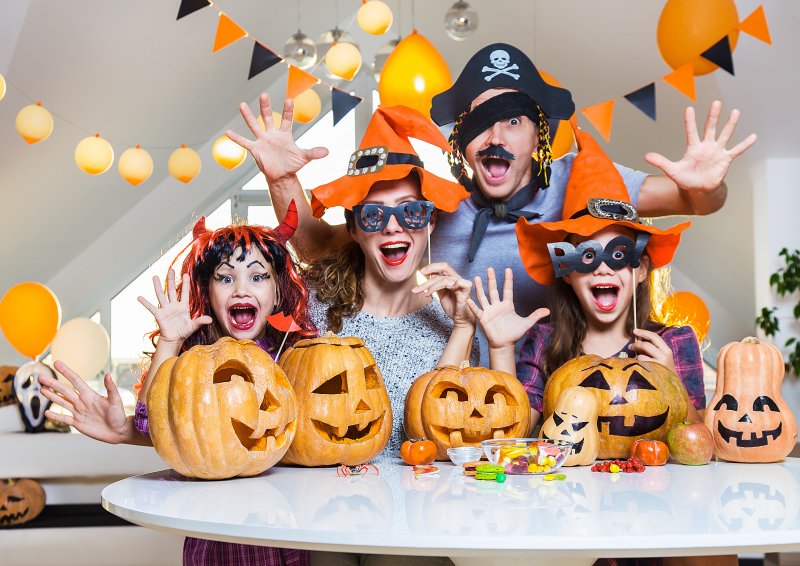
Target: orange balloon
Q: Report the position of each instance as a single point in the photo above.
(413, 74)
(683, 308)
(564, 139)
(686, 28)
(29, 317)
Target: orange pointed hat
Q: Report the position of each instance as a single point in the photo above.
(385, 154)
(595, 198)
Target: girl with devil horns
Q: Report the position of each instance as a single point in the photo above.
(232, 278)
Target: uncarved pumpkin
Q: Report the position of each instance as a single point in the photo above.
(221, 411)
(747, 415)
(635, 399)
(20, 501)
(7, 385)
(574, 419)
(344, 412)
(456, 407)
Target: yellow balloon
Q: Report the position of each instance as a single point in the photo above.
(343, 60)
(83, 345)
(184, 164)
(94, 155)
(135, 165)
(413, 74)
(307, 106)
(29, 317)
(374, 17)
(228, 153)
(2, 87)
(34, 123)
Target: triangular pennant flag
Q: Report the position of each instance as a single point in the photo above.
(756, 25)
(299, 81)
(644, 99)
(261, 60)
(228, 31)
(682, 79)
(342, 103)
(720, 54)
(191, 6)
(601, 115)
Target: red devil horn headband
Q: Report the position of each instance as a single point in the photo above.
(289, 224)
(199, 228)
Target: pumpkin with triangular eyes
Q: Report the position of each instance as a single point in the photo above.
(221, 410)
(7, 385)
(344, 411)
(574, 419)
(463, 406)
(636, 399)
(20, 501)
(747, 415)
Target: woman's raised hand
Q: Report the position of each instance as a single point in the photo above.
(501, 323)
(175, 323)
(274, 149)
(453, 292)
(650, 347)
(96, 416)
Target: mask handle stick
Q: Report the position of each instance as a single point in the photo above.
(429, 243)
(635, 279)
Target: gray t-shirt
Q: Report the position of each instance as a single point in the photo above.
(499, 249)
(404, 348)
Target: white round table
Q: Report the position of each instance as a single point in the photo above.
(671, 510)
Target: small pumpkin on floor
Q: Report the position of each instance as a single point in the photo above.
(747, 415)
(462, 406)
(20, 501)
(344, 415)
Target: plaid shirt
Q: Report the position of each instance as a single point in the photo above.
(680, 339)
(201, 552)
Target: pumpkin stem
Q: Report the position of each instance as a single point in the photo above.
(623, 355)
(751, 340)
(464, 364)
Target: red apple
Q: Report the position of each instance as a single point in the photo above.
(690, 443)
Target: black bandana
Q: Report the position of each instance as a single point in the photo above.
(509, 210)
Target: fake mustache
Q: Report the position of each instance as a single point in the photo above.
(496, 151)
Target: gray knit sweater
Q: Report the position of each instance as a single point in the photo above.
(404, 348)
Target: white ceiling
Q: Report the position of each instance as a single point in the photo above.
(128, 70)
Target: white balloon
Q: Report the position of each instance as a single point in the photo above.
(83, 345)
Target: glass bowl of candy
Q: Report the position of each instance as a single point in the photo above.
(464, 454)
(527, 455)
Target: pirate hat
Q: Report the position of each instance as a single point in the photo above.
(385, 154)
(500, 65)
(595, 198)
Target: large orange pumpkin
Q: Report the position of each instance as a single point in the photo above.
(344, 411)
(463, 406)
(221, 411)
(7, 385)
(747, 415)
(636, 399)
(574, 419)
(20, 501)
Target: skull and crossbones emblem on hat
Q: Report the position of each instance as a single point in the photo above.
(500, 60)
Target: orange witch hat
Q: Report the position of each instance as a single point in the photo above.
(595, 198)
(385, 154)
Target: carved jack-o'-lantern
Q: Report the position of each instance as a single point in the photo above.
(636, 399)
(464, 406)
(575, 419)
(20, 501)
(222, 410)
(7, 385)
(344, 411)
(28, 390)
(747, 415)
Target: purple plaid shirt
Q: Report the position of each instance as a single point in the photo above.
(680, 339)
(201, 552)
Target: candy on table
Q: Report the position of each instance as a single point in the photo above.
(530, 459)
(631, 465)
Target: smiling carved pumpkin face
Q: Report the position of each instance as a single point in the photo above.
(747, 415)
(7, 385)
(636, 399)
(574, 419)
(456, 407)
(344, 411)
(20, 501)
(221, 411)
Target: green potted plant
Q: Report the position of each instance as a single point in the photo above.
(786, 281)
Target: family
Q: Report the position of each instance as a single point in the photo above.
(564, 234)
